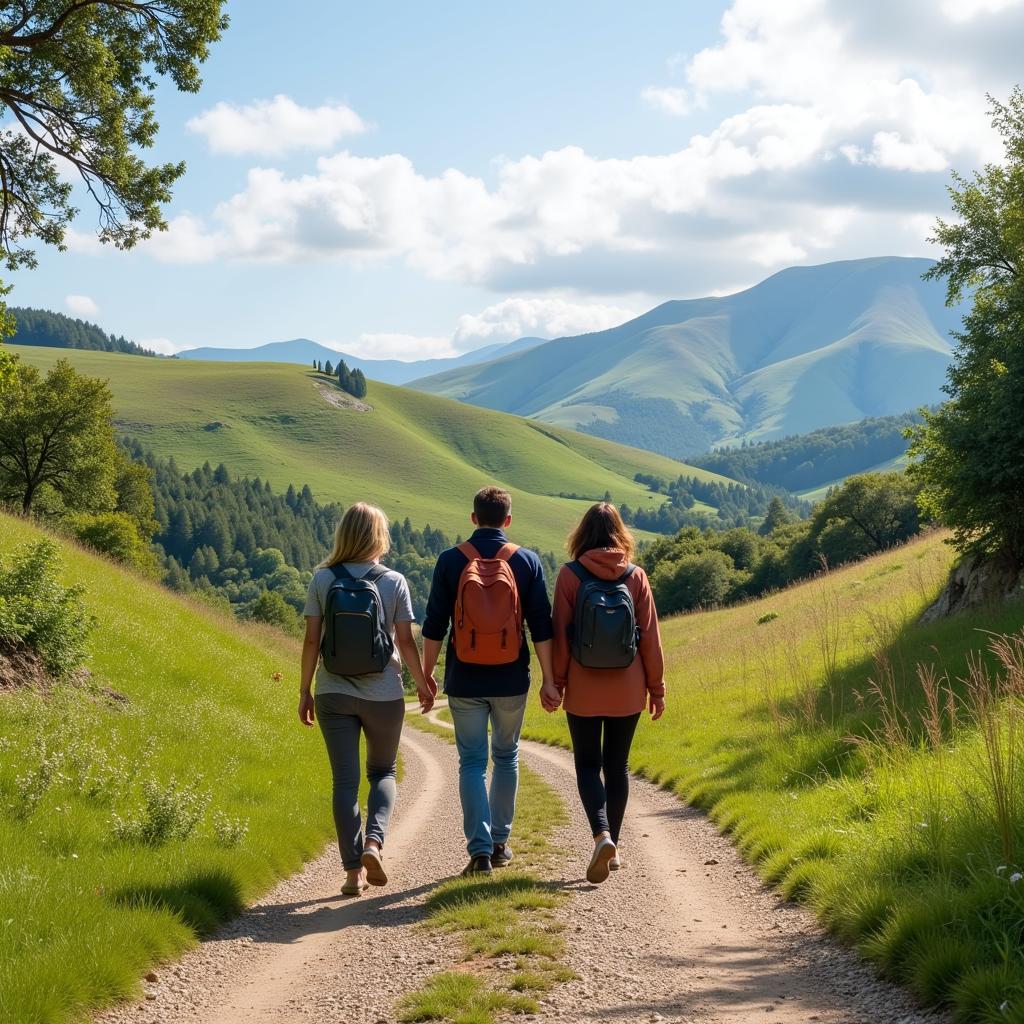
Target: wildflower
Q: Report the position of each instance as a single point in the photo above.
(1015, 877)
(1004, 1006)
(922, 824)
(277, 677)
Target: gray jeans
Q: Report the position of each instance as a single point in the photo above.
(342, 719)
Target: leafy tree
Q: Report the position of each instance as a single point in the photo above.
(869, 513)
(273, 609)
(694, 581)
(968, 453)
(57, 440)
(77, 82)
(133, 486)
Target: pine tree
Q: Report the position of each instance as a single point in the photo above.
(328, 369)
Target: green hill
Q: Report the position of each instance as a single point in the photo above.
(415, 454)
(807, 348)
(868, 765)
(84, 910)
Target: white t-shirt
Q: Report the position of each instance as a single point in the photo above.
(397, 603)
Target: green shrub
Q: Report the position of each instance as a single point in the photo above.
(117, 535)
(38, 612)
(168, 812)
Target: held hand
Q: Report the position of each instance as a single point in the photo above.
(426, 698)
(550, 697)
(307, 714)
(657, 708)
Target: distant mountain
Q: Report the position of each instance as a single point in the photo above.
(390, 371)
(55, 330)
(809, 347)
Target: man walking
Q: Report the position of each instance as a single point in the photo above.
(484, 590)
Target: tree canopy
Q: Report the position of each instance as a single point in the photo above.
(77, 80)
(968, 452)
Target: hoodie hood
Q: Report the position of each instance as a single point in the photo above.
(605, 563)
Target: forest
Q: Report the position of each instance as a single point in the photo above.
(55, 330)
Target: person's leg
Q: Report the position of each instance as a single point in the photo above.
(585, 733)
(340, 726)
(382, 725)
(618, 738)
(469, 716)
(506, 725)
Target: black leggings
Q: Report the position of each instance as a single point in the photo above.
(604, 802)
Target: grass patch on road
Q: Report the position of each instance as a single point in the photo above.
(870, 767)
(507, 924)
(139, 811)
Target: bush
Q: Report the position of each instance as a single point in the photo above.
(168, 812)
(38, 612)
(115, 534)
(272, 608)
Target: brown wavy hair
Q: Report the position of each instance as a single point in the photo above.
(601, 527)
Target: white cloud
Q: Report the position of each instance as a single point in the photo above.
(273, 127)
(670, 99)
(536, 318)
(406, 347)
(81, 305)
(164, 346)
(844, 120)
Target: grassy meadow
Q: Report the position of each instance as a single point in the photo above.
(142, 807)
(870, 767)
(415, 454)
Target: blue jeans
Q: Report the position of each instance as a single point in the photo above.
(487, 818)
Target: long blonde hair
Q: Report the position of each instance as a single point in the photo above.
(363, 535)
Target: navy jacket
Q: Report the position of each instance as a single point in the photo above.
(460, 679)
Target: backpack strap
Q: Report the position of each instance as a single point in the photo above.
(340, 572)
(469, 551)
(506, 551)
(375, 574)
(577, 569)
(630, 569)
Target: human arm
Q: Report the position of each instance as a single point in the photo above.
(426, 689)
(650, 646)
(440, 605)
(310, 657)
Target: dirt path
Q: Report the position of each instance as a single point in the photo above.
(685, 932)
(306, 954)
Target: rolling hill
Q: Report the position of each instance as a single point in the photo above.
(807, 348)
(415, 454)
(303, 352)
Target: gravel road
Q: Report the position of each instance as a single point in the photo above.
(685, 932)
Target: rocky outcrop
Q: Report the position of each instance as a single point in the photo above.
(977, 581)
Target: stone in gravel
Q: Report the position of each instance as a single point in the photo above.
(151, 976)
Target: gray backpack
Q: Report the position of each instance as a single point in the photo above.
(604, 630)
(356, 640)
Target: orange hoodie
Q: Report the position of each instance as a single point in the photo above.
(614, 692)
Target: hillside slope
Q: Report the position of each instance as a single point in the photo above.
(84, 909)
(842, 747)
(415, 454)
(302, 352)
(807, 348)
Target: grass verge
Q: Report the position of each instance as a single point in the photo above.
(871, 767)
(508, 925)
(139, 811)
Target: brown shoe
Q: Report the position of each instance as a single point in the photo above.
(598, 869)
(374, 864)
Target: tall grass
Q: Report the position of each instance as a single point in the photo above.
(139, 809)
(868, 766)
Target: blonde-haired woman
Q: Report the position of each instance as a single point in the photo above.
(371, 703)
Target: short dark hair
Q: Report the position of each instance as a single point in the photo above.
(492, 506)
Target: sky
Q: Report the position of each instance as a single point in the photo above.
(412, 180)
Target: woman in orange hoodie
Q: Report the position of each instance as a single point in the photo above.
(606, 672)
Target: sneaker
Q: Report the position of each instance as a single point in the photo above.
(374, 865)
(479, 865)
(502, 855)
(604, 851)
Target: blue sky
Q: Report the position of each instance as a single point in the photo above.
(421, 179)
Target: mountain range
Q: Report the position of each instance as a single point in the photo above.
(809, 347)
(390, 371)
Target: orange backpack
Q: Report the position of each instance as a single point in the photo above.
(488, 617)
